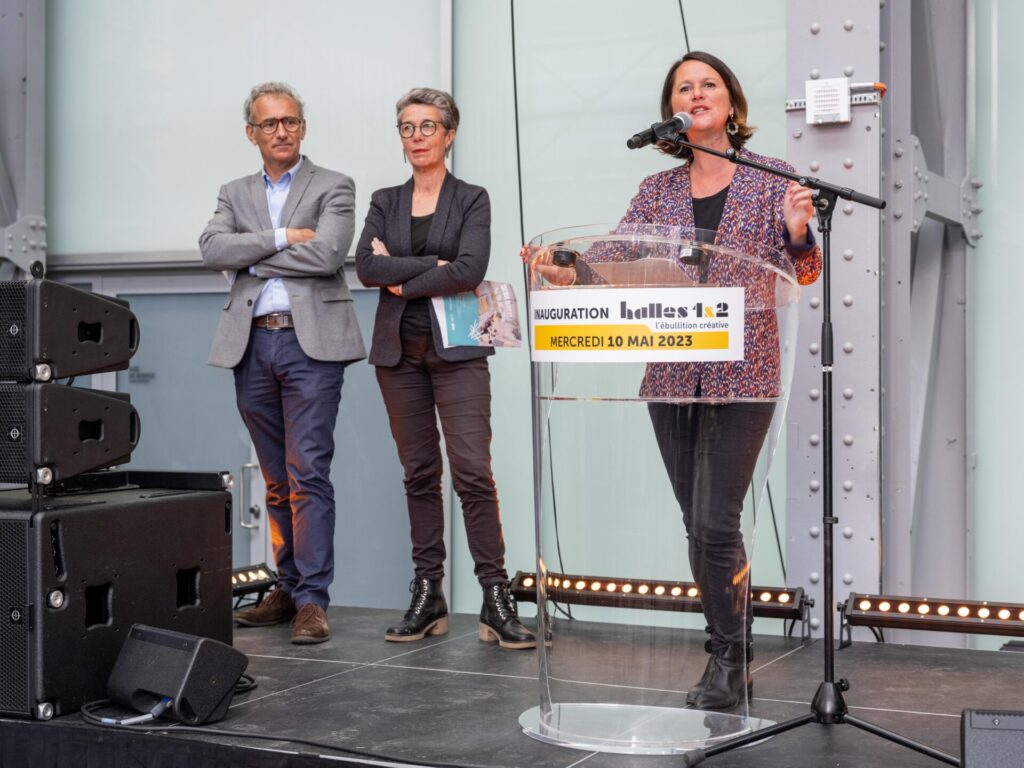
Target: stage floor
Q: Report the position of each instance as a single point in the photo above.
(457, 700)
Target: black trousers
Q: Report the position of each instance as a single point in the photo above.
(416, 391)
(710, 452)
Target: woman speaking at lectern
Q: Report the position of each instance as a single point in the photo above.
(710, 449)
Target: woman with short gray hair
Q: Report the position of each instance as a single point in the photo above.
(432, 237)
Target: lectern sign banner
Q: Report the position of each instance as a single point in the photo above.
(614, 325)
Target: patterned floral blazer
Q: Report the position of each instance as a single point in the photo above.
(753, 214)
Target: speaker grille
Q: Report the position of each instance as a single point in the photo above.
(14, 620)
(13, 331)
(13, 456)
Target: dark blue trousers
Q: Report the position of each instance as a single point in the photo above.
(289, 402)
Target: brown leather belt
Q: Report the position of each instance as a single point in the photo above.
(275, 321)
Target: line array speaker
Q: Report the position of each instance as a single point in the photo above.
(50, 330)
(62, 431)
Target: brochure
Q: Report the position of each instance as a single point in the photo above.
(486, 317)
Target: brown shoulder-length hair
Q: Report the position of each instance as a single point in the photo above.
(736, 98)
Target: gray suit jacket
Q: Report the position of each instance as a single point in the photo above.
(240, 235)
(460, 234)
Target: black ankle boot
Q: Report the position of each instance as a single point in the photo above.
(499, 620)
(709, 671)
(729, 682)
(427, 614)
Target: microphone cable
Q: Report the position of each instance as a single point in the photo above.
(567, 611)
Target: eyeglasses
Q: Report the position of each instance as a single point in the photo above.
(408, 130)
(269, 126)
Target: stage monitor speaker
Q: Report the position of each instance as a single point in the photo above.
(50, 331)
(196, 673)
(79, 572)
(991, 738)
(66, 430)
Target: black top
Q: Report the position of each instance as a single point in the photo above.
(707, 211)
(461, 235)
(416, 317)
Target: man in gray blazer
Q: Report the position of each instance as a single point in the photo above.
(288, 329)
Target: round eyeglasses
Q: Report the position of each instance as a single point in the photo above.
(408, 130)
(269, 126)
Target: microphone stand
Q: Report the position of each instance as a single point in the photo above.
(828, 707)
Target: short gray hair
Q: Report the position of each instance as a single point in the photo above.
(271, 89)
(431, 97)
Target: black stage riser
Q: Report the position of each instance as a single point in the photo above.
(72, 331)
(110, 560)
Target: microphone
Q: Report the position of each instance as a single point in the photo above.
(664, 131)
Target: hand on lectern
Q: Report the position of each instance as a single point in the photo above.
(540, 260)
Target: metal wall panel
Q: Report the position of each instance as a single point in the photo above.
(829, 40)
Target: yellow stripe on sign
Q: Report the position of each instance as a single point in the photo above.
(618, 338)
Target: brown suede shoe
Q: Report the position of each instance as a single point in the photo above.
(310, 625)
(275, 608)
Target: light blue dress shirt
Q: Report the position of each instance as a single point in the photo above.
(274, 296)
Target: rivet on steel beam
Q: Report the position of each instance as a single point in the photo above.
(847, 440)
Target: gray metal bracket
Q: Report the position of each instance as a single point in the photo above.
(950, 202)
(856, 100)
(24, 242)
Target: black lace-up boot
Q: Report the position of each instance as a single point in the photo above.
(499, 620)
(427, 614)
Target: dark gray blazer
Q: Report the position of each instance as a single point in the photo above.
(460, 234)
(240, 235)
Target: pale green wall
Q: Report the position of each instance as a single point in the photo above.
(998, 277)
